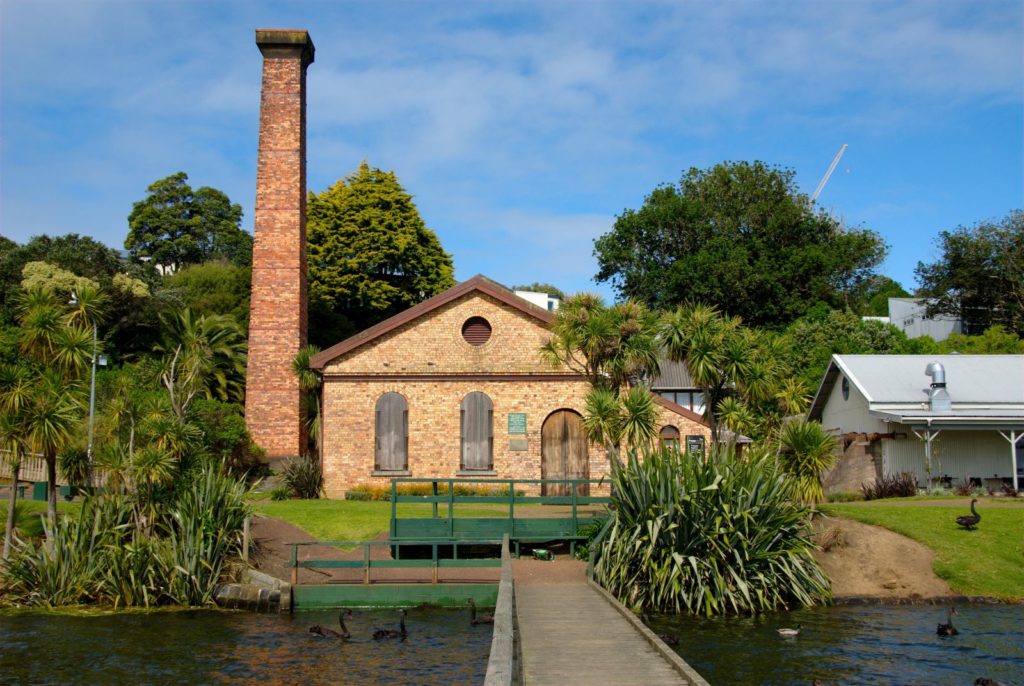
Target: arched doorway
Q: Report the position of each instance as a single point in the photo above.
(563, 452)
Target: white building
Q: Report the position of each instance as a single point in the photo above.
(908, 315)
(966, 418)
(541, 300)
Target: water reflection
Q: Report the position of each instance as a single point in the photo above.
(878, 645)
(205, 647)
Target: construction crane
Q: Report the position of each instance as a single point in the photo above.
(831, 168)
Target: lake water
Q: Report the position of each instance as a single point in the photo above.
(211, 647)
(850, 645)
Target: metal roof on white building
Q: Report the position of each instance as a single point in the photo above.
(978, 385)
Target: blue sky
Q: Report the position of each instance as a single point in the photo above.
(523, 128)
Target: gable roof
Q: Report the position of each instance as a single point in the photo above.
(479, 283)
(900, 382)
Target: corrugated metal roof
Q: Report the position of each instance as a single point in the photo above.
(973, 379)
(672, 376)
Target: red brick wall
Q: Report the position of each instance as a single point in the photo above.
(277, 323)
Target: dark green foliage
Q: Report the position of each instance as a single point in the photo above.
(814, 338)
(873, 300)
(591, 531)
(175, 226)
(370, 255)
(740, 237)
(980, 277)
(281, 493)
(902, 485)
(303, 476)
(995, 340)
(225, 436)
(212, 288)
(73, 464)
(708, 536)
(131, 320)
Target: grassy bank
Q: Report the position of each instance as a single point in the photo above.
(354, 520)
(986, 562)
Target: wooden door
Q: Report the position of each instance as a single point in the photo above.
(564, 452)
(392, 433)
(477, 432)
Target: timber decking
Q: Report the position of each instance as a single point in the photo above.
(569, 635)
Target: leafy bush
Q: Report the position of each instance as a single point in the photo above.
(102, 556)
(844, 497)
(708, 536)
(304, 476)
(902, 485)
(73, 464)
(280, 493)
(590, 531)
(807, 451)
(383, 493)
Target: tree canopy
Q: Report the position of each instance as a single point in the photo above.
(980, 275)
(370, 255)
(175, 226)
(541, 287)
(740, 237)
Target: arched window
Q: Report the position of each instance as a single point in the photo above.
(476, 428)
(669, 437)
(392, 432)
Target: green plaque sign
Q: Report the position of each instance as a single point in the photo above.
(517, 422)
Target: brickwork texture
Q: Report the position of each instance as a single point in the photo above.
(278, 318)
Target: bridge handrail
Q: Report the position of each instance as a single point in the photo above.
(500, 664)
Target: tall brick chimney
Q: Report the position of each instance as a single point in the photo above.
(278, 318)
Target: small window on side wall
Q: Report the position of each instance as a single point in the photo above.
(695, 445)
(669, 437)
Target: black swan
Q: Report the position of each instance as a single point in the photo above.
(969, 521)
(667, 639)
(328, 631)
(474, 619)
(391, 633)
(948, 629)
(788, 633)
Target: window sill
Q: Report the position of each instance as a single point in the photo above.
(476, 472)
(391, 472)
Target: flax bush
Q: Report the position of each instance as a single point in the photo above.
(303, 476)
(708, 536)
(101, 555)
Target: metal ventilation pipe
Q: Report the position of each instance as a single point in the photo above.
(938, 397)
(937, 372)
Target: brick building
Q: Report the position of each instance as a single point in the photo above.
(455, 386)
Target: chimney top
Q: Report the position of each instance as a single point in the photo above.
(273, 40)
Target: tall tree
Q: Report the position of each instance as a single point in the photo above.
(175, 226)
(616, 348)
(980, 275)
(370, 255)
(740, 237)
(212, 288)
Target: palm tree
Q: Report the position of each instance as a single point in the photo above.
(15, 394)
(204, 355)
(616, 349)
(807, 451)
(309, 384)
(50, 421)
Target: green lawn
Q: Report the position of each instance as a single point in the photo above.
(27, 518)
(986, 562)
(355, 520)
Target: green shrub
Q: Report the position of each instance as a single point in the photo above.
(902, 485)
(708, 536)
(591, 531)
(383, 493)
(845, 497)
(303, 476)
(280, 493)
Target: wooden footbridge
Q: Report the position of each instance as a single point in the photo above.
(574, 633)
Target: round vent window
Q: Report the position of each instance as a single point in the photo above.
(476, 331)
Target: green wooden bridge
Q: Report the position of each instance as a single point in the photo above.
(457, 506)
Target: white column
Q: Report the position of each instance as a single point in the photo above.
(1013, 438)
